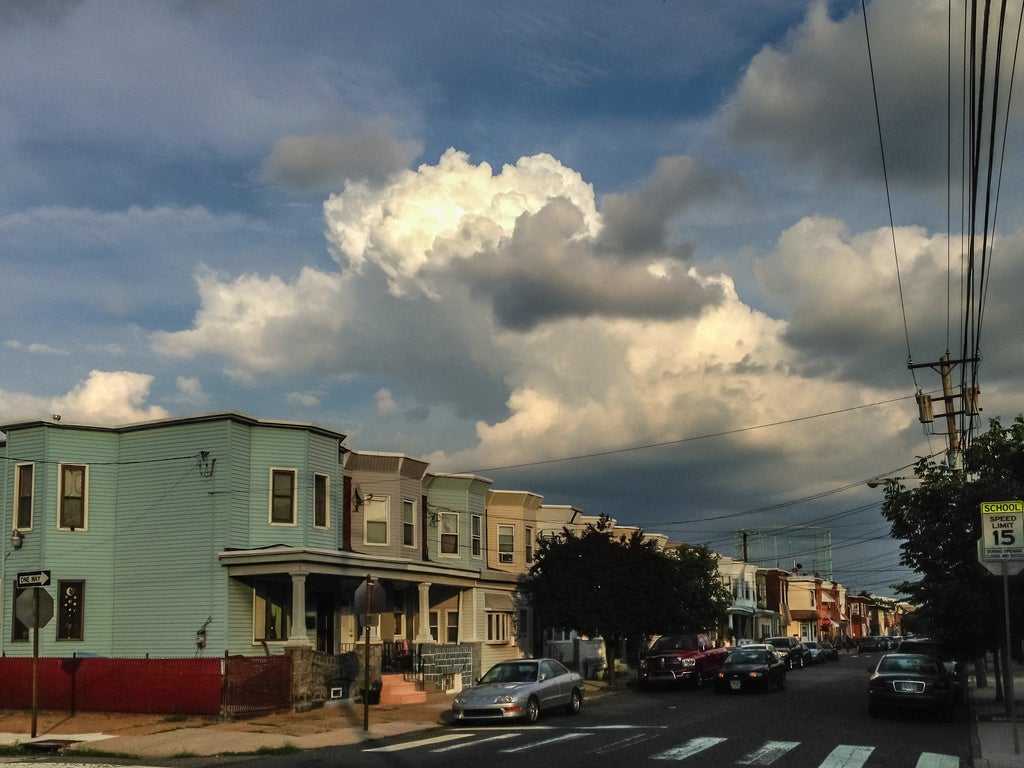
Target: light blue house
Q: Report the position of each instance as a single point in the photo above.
(223, 533)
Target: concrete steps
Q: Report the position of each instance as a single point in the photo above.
(395, 689)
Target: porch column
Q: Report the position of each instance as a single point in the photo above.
(297, 632)
(423, 632)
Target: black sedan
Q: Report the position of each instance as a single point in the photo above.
(751, 669)
(910, 681)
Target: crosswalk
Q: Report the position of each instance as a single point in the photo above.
(763, 755)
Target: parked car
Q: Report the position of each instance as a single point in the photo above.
(815, 653)
(910, 681)
(943, 653)
(830, 651)
(790, 649)
(520, 689)
(869, 644)
(681, 659)
(749, 668)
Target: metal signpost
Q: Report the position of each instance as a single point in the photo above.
(34, 608)
(1001, 551)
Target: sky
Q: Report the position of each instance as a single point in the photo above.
(641, 258)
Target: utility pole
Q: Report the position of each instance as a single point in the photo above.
(968, 397)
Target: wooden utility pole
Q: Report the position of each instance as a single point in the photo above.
(968, 406)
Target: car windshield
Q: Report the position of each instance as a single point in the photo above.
(746, 657)
(811, 645)
(675, 643)
(911, 664)
(512, 672)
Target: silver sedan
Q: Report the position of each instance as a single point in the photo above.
(513, 690)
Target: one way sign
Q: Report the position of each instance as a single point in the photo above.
(33, 579)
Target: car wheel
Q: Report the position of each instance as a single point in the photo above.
(782, 681)
(698, 681)
(575, 702)
(802, 664)
(532, 711)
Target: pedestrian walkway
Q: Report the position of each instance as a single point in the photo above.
(998, 742)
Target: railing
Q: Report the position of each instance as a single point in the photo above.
(396, 656)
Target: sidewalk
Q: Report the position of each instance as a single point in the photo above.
(994, 734)
(162, 736)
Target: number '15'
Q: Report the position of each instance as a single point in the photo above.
(1003, 538)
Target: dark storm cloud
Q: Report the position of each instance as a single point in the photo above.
(638, 223)
(546, 271)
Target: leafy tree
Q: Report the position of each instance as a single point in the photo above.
(620, 587)
(940, 521)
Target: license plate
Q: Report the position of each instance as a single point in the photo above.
(909, 687)
(735, 684)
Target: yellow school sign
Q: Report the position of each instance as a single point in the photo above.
(1002, 530)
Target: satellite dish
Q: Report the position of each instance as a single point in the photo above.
(359, 497)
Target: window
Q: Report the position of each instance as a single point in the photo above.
(452, 627)
(506, 543)
(477, 534)
(499, 627)
(433, 618)
(71, 610)
(376, 512)
(408, 523)
(73, 498)
(272, 608)
(449, 533)
(23, 493)
(282, 496)
(322, 501)
(529, 544)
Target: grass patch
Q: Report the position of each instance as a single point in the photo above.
(13, 750)
(285, 749)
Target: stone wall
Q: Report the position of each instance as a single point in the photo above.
(446, 667)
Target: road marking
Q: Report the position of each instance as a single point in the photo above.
(623, 743)
(689, 749)
(499, 737)
(555, 740)
(421, 742)
(847, 756)
(768, 753)
(933, 760)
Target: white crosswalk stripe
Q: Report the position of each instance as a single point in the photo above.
(934, 760)
(545, 742)
(689, 749)
(847, 756)
(768, 753)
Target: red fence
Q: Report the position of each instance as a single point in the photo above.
(206, 686)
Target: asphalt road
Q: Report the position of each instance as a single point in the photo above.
(820, 721)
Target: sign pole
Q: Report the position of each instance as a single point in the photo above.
(366, 668)
(1007, 661)
(35, 658)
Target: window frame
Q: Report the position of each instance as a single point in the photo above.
(445, 530)
(20, 496)
(506, 550)
(528, 544)
(451, 627)
(382, 503)
(275, 601)
(408, 523)
(499, 627)
(63, 498)
(274, 496)
(477, 535)
(68, 627)
(321, 500)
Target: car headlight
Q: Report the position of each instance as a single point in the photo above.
(504, 699)
(460, 700)
(689, 662)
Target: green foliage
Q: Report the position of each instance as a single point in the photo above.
(597, 584)
(939, 521)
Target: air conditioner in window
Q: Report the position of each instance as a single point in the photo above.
(504, 557)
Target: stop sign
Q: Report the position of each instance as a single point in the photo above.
(24, 611)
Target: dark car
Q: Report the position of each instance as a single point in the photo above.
(829, 651)
(943, 653)
(871, 643)
(751, 669)
(910, 681)
(791, 650)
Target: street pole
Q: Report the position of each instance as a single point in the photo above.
(366, 666)
(1008, 661)
(35, 657)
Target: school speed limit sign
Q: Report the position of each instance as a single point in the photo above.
(1002, 530)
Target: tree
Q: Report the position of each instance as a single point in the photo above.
(940, 521)
(598, 584)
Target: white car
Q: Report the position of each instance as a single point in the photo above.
(520, 690)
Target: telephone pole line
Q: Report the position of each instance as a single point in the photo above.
(968, 397)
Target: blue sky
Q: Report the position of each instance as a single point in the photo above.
(634, 257)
